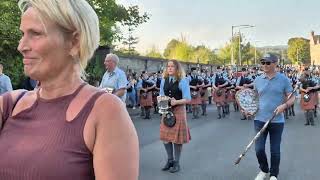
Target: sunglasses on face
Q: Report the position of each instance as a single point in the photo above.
(265, 63)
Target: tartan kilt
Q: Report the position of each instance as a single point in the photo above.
(145, 102)
(204, 98)
(154, 99)
(180, 132)
(196, 100)
(231, 96)
(219, 99)
(308, 105)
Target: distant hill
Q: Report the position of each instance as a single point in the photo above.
(280, 50)
(276, 48)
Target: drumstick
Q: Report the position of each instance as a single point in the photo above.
(261, 131)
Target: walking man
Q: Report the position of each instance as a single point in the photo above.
(273, 89)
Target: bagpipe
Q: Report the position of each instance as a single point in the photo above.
(305, 84)
(195, 81)
(145, 84)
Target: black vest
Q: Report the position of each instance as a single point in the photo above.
(158, 82)
(219, 80)
(244, 80)
(194, 81)
(308, 83)
(146, 84)
(172, 90)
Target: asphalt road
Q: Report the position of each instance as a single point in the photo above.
(216, 143)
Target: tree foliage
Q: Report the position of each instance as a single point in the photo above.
(154, 52)
(181, 50)
(9, 39)
(299, 50)
(248, 52)
(133, 20)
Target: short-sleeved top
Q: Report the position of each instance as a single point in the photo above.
(5, 84)
(272, 93)
(116, 80)
(183, 86)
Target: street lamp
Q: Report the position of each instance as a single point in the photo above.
(232, 27)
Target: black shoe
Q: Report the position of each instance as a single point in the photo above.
(219, 116)
(175, 168)
(244, 118)
(168, 165)
(306, 124)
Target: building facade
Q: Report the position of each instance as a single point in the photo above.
(315, 49)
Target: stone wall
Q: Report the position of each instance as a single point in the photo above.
(140, 63)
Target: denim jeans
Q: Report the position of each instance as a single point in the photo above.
(275, 132)
(132, 98)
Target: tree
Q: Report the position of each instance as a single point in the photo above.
(202, 54)
(299, 50)
(247, 51)
(154, 52)
(109, 14)
(133, 20)
(170, 47)
(183, 51)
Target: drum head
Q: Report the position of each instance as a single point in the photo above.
(248, 101)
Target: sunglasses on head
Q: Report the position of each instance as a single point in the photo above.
(265, 63)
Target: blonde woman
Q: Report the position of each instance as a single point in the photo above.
(175, 85)
(65, 129)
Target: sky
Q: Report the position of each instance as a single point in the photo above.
(209, 22)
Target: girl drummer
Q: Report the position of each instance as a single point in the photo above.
(175, 85)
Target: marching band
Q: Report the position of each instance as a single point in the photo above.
(196, 90)
(221, 86)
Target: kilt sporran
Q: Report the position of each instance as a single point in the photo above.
(219, 92)
(194, 94)
(306, 97)
(144, 95)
